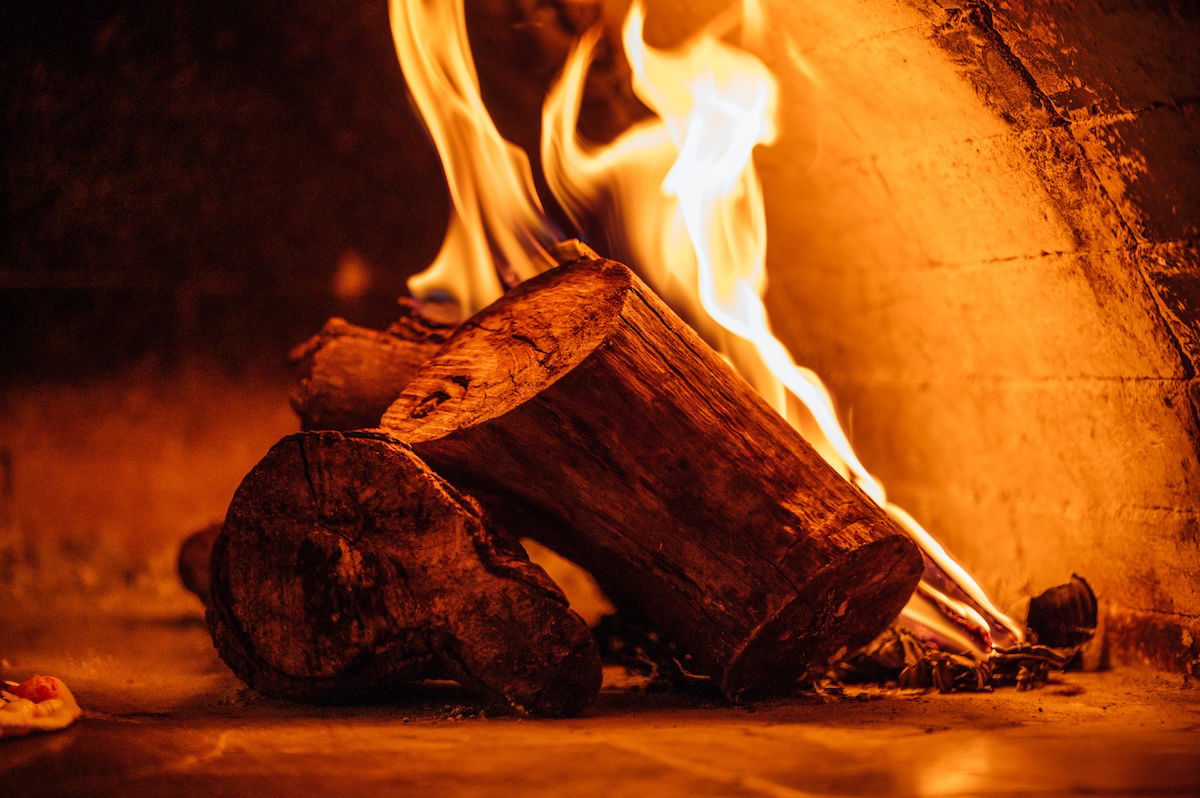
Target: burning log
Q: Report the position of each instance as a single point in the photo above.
(644, 458)
(348, 375)
(1062, 620)
(345, 566)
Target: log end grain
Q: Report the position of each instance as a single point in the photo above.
(562, 316)
(347, 375)
(346, 567)
(824, 621)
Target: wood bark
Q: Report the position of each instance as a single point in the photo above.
(194, 562)
(347, 375)
(345, 567)
(607, 429)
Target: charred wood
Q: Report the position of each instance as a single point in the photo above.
(1064, 616)
(347, 375)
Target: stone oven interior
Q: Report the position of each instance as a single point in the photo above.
(984, 220)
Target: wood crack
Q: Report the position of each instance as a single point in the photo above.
(979, 14)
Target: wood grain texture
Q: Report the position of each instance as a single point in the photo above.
(613, 434)
(346, 567)
(347, 375)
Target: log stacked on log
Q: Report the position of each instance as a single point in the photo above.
(585, 414)
(347, 375)
(581, 412)
(345, 566)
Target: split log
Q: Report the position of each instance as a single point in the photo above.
(345, 567)
(638, 453)
(348, 375)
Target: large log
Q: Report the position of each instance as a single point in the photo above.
(346, 567)
(624, 442)
(347, 375)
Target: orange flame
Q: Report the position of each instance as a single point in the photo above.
(498, 234)
(690, 207)
(681, 201)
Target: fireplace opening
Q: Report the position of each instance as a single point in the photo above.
(979, 304)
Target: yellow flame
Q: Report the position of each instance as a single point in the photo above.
(684, 206)
(498, 234)
(754, 21)
(690, 210)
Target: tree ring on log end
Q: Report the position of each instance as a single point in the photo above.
(557, 328)
(346, 568)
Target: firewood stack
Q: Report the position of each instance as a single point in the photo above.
(579, 411)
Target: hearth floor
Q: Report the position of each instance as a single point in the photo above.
(164, 717)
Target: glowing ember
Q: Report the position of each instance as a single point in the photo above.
(680, 201)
